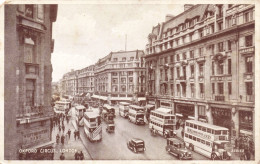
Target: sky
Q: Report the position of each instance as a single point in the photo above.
(85, 33)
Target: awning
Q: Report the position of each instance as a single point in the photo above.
(164, 110)
(141, 99)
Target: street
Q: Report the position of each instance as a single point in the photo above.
(114, 145)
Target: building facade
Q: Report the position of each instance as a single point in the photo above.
(200, 64)
(120, 76)
(86, 80)
(28, 77)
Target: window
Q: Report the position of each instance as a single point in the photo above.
(172, 75)
(178, 89)
(171, 58)
(220, 26)
(249, 64)
(200, 51)
(161, 74)
(213, 88)
(183, 89)
(249, 88)
(201, 69)
(130, 79)
(249, 40)
(124, 59)
(202, 110)
(177, 42)
(130, 73)
(40, 11)
(213, 68)
(201, 32)
(212, 47)
(192, 54)
(184, 56)
(201, 89)
(178, 72)
(229, 88)
(192, 89)
(29, 11)
(115, 59)
(220, 88)
(114, 74)
(184, 71)
(220, 47)
(192, 70)
(177, 57)
(220, 67)
(229, 66)
(115, 80)
(123, 88)
(30, 92)
(246, 17)
(131, 58)
(123, 80)
(165, 60)
(229, 45)
(212, 28)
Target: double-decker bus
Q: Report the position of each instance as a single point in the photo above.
(136, 114)
(162, 122)
(109, 109)
(209, 140)
(107, 117)
(62, 107)
(92, 126)
(79, 109)
(123, 109)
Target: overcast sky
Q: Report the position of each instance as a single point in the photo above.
(85, 33)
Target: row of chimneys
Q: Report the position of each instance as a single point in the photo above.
(186, 7)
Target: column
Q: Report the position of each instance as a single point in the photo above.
(196, 112)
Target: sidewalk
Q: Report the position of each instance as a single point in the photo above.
(69, 146)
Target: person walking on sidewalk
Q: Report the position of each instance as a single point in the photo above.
(76, 155)
(57, 138)
(59, 128)
(75, 134)
(81, 156)
(63, 128)
(78, 134)
(62, 139)
(69, 132)
(62, 157)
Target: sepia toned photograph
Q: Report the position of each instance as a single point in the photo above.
(129, 82)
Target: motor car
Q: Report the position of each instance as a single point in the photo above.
(178, 149)
(136, 145)
(110, 128)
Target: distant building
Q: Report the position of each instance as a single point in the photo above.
(86, 80)
(28, 77)
(200, 64)
(120, 76)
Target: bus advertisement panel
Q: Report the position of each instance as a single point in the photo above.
(209, 140)
(61, 107)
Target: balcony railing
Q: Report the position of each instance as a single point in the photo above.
(219, 98)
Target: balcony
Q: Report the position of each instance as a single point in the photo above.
(247, 50)
(32, 68)
(219, 98)
(250, 98)
(248, 76)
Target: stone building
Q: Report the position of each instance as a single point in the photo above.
(200, 64)
(27, 78)
(86, 80)
(120, 76)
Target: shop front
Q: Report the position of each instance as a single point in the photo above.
(184, 111)
(222, 117)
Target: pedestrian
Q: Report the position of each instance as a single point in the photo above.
(75, 134)
(236, 143)
(59, 128)
(63, 128)
(62, 139)
(76, 155)
(247, 154)
(57, 138)
(62, 157)
(69, 132)
(182, 133)
(177, 125)
(81, 155)
(78, 134)
(67, 118)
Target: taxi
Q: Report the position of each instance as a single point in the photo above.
(136, 145)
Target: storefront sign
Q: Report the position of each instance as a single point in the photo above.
(199, 134)
(185, 109)
(221, 112)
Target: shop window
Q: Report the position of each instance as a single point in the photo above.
(192, 70)
(249, 40)
(249, 64)
(229, 88)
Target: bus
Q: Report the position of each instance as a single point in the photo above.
(136, 114)
(109, 109)
(209, 140)
(107, 117)
(123, 109)
(92, 126)
(79, 109)
(162, 122)
(62, 107)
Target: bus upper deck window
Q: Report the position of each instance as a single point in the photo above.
(195, 126)
(187, 124)
(199, 127)
(217, 132)
(191, 125)
(203, 129)
(212, 131)
(224, 132)
(208, 130)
